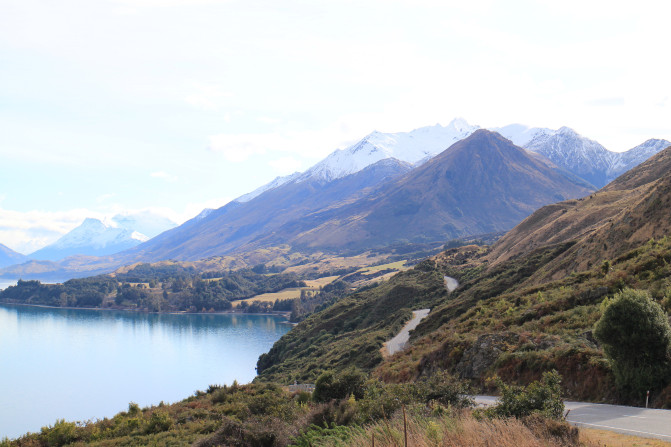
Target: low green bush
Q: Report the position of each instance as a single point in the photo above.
(542, 397)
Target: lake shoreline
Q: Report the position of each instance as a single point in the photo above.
(82, 365)
(171, 312)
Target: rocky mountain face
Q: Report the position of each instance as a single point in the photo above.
(587, 158)
(10, 257)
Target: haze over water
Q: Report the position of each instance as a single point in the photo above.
(88, 364)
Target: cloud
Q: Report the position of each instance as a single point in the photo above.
(28, 231)
(209, 97)
(606, 102)
(237, 148)
(193, 209)
(164, 176)
(286, 165)
(104, 197)
(309, 144)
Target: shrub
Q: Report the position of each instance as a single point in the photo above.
(159, 421)
(636, 337)
(444, 389)
(339, 386)
(542, 397)
(60, 434)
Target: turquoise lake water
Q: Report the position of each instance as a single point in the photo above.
(88, 364)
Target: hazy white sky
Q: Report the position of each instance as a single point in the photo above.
(177, 105)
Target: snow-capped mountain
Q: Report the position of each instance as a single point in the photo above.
(279, 181)
(564, 147)
(94, 238)
(520, 134)
(579, 155)
(147, 223)
(412, 147)
(637, 155)
(569, 150)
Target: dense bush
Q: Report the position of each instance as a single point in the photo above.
(635, 334)
(542, 397)
(339, 386)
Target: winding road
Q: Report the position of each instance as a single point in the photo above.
(401, 339)
(399, 342)
(642, 422)
(450, 283)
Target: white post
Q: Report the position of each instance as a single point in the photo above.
(647, 396)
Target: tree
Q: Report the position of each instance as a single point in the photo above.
(636, 337)
(339, 386)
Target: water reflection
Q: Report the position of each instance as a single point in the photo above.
(82, 364)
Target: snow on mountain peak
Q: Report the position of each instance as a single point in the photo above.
(412, 147)
(146, 222)
(278, 181)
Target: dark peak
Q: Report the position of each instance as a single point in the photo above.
(484, 139)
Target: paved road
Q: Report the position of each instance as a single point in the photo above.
(634, 421)
(450, 283)
(401, 339)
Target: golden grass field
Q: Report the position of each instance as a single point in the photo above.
(398, 265)
(612, 439)
(289, 294)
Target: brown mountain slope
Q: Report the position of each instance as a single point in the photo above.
(632, 209)
(482, 184)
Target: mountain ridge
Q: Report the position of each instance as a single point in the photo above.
(10, 257)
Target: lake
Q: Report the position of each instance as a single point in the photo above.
(88, 364)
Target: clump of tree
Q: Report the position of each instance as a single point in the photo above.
(539, 397)
(636, 337)
(154, 288)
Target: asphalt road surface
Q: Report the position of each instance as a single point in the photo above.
(401, 339)
(450, 283)
(646, 423)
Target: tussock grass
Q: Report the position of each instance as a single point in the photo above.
(457, 430)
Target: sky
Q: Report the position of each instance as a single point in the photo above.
(110, 106)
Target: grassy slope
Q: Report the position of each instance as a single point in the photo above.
(539, 327)
(351, 332)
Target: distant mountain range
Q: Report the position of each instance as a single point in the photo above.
(385, 188)
(97, 238)
(481, 184)
(564, 147)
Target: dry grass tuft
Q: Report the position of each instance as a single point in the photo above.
(612, 439)
(463, 430)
